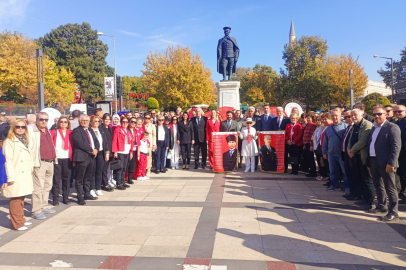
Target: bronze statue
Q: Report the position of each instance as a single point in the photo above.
(227, 54)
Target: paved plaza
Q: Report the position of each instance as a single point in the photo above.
(202, 220)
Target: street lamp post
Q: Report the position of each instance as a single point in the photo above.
(40, 80)
(115, 75)
(392, 83)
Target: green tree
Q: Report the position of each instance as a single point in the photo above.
(76, 47)
(304, 75)
(374, 98)
(152, 104)
(109, 71)
(134, 85)
(399, 70)
(212, 106)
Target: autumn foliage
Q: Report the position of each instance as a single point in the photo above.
(178, 77)
(17, 63)
(18, 73)
(337, 71)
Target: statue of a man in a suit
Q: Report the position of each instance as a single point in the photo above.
(227, 54)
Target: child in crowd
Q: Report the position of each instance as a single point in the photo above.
(143, 157)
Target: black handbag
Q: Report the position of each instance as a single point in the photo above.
(116, 164)
(293, 160)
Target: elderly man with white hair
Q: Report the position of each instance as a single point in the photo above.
(199, 128)
(279, 123)
(85, 149)
(31, 120)
(179, 112)
(357, 149)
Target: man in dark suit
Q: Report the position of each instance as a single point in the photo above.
(269, 159)
(280, 121)
(383, 153)
(230, 156)
(266, 119)
(199, 128)
(229, 124)
(85, 145)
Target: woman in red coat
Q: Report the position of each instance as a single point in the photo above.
(122, 147)
(213, 125)
(294, 140)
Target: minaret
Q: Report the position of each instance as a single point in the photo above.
(292, 35)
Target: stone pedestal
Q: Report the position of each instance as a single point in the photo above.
(228, 94)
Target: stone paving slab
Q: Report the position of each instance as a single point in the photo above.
(201, 220)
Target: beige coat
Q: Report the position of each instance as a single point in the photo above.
(19, 166)
(151, 129)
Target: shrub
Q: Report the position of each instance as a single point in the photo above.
(212, 107)
(374, 98)
(152, 104)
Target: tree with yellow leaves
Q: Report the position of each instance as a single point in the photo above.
(18, 67)
(18, 73)
(59, 86)
(258, 85)
(178, 77)
(337, 71)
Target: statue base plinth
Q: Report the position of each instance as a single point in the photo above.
(228, 94)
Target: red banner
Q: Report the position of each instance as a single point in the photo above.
(137, 95)
(272, 151)
(225, 151)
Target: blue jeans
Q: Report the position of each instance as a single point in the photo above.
(166, 153)
(334, 162)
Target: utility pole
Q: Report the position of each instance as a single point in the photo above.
(351, 90)
(120, 91)
(40, 80)
(392, 84)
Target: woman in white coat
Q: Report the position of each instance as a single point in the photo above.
(176, 147)
(19, 168)
(249, 148)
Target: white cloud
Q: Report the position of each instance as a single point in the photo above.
(133, 34)
(12, 11)
(156, 36)
(156, 39)
(168, 41)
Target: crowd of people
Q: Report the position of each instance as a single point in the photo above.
(355, 152)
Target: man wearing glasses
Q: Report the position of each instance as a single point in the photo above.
(400, 113)
(390, 114)
(44, 156)
(384, 147)
(85, 148)
(347, 160)
(154, 119)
